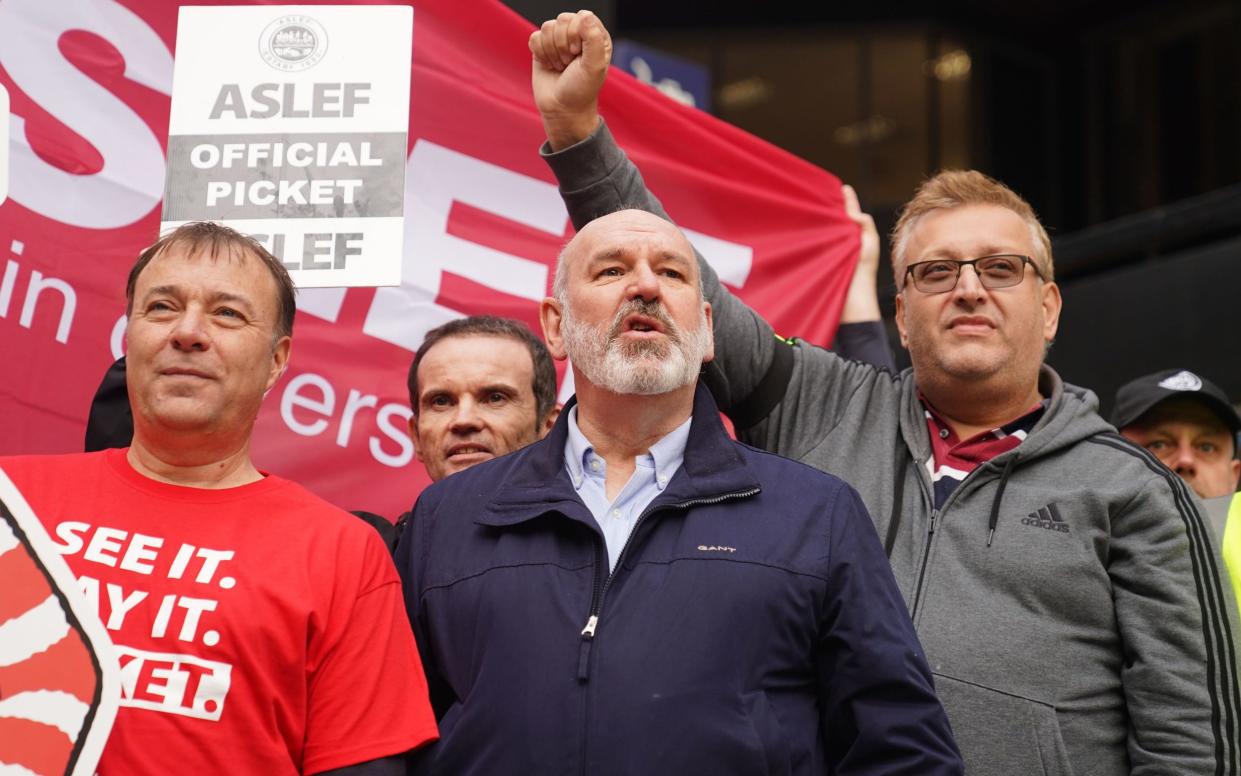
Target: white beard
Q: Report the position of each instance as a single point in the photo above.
(643, 368)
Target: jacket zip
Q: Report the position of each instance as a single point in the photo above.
(596, 597)
(601, 589)
(926, 553)
(602, 585)
(937, 514)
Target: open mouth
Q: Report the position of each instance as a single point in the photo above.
(467, 450)
(642, 324)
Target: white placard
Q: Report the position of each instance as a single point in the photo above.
(4, 144)
(290, 123)
(32, 633)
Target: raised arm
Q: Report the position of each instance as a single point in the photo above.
(571, 57)
(861, 336)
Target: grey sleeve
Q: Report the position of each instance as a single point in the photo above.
(1180, 668)
(597, 178)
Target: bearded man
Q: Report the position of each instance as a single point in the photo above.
(637, 593)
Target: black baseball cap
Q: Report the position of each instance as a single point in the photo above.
(1137, 397)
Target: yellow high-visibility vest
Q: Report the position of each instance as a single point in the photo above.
(1232, 546)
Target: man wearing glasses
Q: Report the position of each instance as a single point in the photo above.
(1060, 579)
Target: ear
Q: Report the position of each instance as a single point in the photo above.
(710, 354)
(549, 421)
(279, 361)
(551, 316)
(1236, 472)
(1051, 310)
(413, 437)
(900, 318)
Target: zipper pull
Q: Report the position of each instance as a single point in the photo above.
(591, 624)
(934, 517)
(583, 654)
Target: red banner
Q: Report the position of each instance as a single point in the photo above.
(89, 82)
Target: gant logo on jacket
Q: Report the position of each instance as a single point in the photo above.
(715, 548)
(1047, 518)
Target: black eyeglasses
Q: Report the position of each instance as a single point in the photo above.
(1000, 271)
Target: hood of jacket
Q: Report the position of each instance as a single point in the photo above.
(1071, 416)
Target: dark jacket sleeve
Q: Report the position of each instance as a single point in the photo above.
(111, 422)
(880, 711)
(865, 341)
(410, 560)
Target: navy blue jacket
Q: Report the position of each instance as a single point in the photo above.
(752, 625)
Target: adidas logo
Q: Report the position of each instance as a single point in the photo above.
(1047, 518)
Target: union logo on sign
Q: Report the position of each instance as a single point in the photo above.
(292, 43)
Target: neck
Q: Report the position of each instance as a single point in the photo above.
(193, 464)
(621, 427)
(979, 407)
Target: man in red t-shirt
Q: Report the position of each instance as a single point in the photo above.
(258, 628)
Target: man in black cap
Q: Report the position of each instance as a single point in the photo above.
(1188, 423)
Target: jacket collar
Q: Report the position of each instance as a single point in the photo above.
(538, 483)
(1070, 417)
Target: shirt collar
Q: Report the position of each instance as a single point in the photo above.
(665, 456)
(1024, 422)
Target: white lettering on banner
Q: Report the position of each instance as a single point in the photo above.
(324, 303)
(132, 179)
(436, 178)
(355, 402)
(116, 342)
(293, 397)
(69, 303)
(384, 420)
(313, 393)
(34, 289)
(731, 261)
(10, 278)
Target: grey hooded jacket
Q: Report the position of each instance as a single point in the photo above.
(1068, 595)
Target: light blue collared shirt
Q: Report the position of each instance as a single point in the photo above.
(651, 474)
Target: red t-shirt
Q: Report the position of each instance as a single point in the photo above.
(259, 629)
